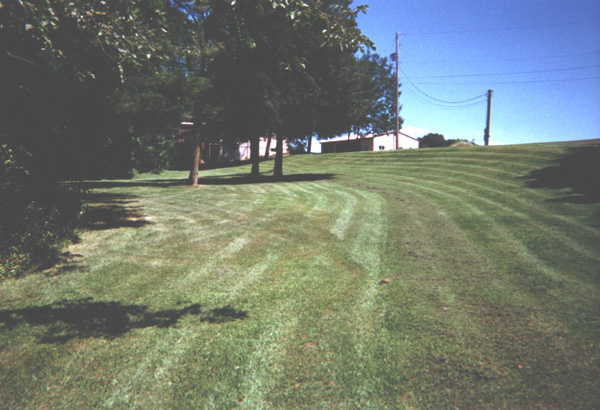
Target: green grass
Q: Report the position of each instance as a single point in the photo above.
(269, 294)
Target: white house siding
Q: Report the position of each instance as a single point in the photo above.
(387, 142)
(262, 146)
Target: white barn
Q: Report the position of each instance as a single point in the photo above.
(387, 141)
(371, 142)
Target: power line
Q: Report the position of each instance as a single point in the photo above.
(558, 80)
(494, 29)
(488, 59)
(447, 107)
(439, 100)
(552, 70)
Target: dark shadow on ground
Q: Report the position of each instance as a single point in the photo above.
(156, 183)
(102, 211)
(109, 198)
(230, 179)
(595, 219)
(108, 211)
(578, 170)
(84, 318)
(248, 179)
(66, 262)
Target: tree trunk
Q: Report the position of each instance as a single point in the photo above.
(278, 170)
(254, 155)
(268, 149)
(309, 145)
(83, 160)
(195, 164)
(51, 171)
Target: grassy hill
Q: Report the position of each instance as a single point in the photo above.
(438, 278)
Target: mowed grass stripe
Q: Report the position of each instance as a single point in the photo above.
(511, 204)
(557, 227)
(549, 239)
(545, 284)
(367, 251)
(345, 297)
(125, 393)
(512, 186)
(424, 323)
(167, 371)
(264, 363)
(508, 191)
(527, 153)
(463, 306)
(284, 313)
(476, 216)
(436, 190)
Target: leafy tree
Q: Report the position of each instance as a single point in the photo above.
(264, 71)
(153, 106)
(359, 97)
(208, 118)
(62, 62)
(297, 146)
(68, 103)
(373, 95)
(308, 90)
(239, 70)
(432, 140)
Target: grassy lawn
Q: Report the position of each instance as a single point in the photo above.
(439, 278)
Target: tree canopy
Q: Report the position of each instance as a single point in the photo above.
(96, 88)
(432, 140)
(98, 76)
(63, 61)
(279, 65)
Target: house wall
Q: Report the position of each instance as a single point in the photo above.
(388, 142)
(244, 148)
(358, 144)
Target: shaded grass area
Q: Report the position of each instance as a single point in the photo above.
(577, 170)
(83, 318)
(439, 278)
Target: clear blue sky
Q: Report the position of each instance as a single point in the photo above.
(448, 48)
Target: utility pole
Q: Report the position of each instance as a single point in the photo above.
(397, 90)
(488, 119)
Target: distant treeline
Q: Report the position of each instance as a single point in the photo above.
(433, 140)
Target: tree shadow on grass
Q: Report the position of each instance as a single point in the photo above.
(102, 211)
(230, 179)
(143, 183)
(578, 170)
(84, 318)
(64, 263)
(108, 211)
(263, 179)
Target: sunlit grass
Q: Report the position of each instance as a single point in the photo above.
(271, 294)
